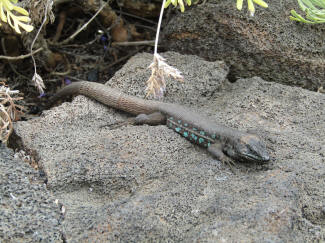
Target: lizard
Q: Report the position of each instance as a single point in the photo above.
(224, 143)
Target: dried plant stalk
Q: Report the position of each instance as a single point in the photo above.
(156, 83)
(9, 110)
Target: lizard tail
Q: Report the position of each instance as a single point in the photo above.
(108, 96)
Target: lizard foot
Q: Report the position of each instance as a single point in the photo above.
(118, 124)
(229, 162)
(216, 151)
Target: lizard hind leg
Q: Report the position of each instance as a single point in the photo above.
(156, 118)
(152, 119)
(118, 124)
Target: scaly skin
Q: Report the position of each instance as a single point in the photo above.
(219, 140)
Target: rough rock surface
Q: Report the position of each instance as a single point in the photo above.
(268, 45)
(28, 212)
(142, 183)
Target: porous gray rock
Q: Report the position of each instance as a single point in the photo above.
(143, 183)
(28, 212)
(268, 45)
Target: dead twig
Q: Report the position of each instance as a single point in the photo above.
(10, 64)
(124, 58)
(67, 65)
(134, 43)
(37, 79)
(81, 29)
(9, 110)
(21, 56)
(136, 17)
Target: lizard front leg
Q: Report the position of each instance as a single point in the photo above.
(216, 151)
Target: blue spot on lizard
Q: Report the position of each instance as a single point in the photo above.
(193, 136)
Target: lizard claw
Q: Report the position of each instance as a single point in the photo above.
(227, 161)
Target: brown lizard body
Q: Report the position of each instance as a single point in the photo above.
(218, 139)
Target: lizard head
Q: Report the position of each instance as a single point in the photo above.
(248, 147)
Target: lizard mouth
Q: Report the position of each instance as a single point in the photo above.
(261, 158)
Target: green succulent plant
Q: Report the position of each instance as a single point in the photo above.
(250, 4)
(178, 2)
(14, 21)
(314, 9)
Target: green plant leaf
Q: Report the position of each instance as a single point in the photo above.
(15, 22)
(314, 11)
(178, 2)
(250, 5)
